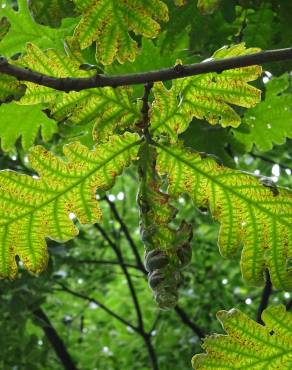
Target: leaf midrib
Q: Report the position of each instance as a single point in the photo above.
(227, 189)
(16, 219)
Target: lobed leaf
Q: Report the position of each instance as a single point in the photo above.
(25, 122)
(24, 29)
(33, 208)
(253, 214)
(109, 109)
(261, 26)
(53, 63)
(205, 96)
(249, 345)
(108, 23)
(270, 122)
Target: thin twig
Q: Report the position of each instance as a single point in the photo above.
(128, 277)
(127, 234)
(265, 298)
(55, 340)
(154, 325)
(140, 329)
(77, 84)
(185, 319)
(151, 351)
(269, 160)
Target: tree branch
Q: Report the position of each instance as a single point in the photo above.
(56, 342)
(151, 351)
(265, 298)
(185, 319)
(77, 84)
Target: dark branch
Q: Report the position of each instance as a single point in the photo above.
(179, 71)
(151, 351)
(185, 319)
(145, 122)
(145, 106)
(265, 298)
(56, 342)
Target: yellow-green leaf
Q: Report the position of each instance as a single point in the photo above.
(33, 208)
(108, 23)
(23, 29)
(205, 96)
(50, 62)
(107, 108)
(253, 214)
(249, 345)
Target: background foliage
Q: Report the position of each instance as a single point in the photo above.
(101, 268)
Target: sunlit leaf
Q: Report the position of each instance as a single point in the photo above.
(253, 214)
(205, 96)
(249, 345)
(34, 208)
(109, 109)
(208, 6)
(108, 23)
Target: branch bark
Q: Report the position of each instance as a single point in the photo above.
(265, 298)
(77, 84)
(186, 320)
(55, 340)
